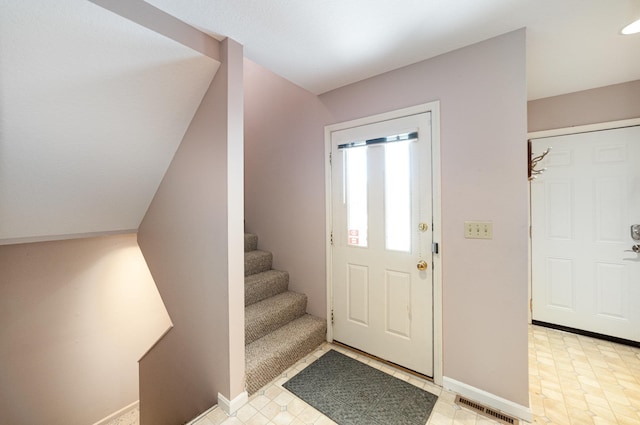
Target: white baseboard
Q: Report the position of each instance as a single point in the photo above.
(231, 407)
(120, 412)
(488, 399)
(201, 415)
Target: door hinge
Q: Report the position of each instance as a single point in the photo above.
(331, 238)
(330, 159)
(332, 316)
(531, 305)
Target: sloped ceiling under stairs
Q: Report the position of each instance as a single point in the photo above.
(92, 109)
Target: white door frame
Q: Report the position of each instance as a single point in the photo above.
(434, 109)
(564, 132)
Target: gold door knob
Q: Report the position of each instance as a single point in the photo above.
(422, 265)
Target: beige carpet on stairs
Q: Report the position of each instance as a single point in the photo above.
(278, 331)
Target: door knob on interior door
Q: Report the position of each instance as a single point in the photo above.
(422, 265)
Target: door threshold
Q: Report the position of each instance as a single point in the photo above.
(590, 334)
(383, 361)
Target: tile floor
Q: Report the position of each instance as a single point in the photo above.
(273, 405)
(132, 417)
(577, 380)
(573, 380)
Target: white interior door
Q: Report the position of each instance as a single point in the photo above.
(382, 228)
(584, 273)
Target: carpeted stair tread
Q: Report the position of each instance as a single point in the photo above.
(261, 286)
(257, 262)
(250, 242)
(268, 315)
(272, 354)
(278, 332)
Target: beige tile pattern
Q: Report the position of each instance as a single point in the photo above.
(577, 380)
(573, 380)
(274, 405)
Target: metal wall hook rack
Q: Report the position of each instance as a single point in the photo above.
(533, 161)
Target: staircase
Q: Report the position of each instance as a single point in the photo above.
(278, 332)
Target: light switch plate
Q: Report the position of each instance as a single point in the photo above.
(478, 230)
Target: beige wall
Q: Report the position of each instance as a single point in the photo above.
(604, 104)
(482, 94)
(482, 90)
(191, 238)
(284, 166)
(75, 317)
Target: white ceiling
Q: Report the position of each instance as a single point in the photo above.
(93, 106)
(321, 45)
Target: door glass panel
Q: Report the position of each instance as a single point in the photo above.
(355, 173)
(398, 196)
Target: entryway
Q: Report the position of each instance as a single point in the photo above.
(383, 250)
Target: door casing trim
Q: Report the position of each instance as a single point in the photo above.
(583, 128)
(434, 109)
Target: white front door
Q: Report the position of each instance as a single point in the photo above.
(584, 272)
(382, 229)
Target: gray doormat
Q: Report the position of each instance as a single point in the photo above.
(352, 393)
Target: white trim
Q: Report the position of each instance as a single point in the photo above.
(119, 413)
(583, 128)
(328, 227)
(386, 116)
(231, 407)
(530, 258)
(488, 399)
(436, 183)
(434, 109)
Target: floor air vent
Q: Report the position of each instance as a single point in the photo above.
(486, 411)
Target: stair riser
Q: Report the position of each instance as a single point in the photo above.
(264, 285)
(276, 362)
(250, 242)
(257, 262)
(274, 319)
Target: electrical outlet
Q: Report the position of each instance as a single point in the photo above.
(478, 230)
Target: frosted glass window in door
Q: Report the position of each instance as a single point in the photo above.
(398, 196)
(355, 165)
